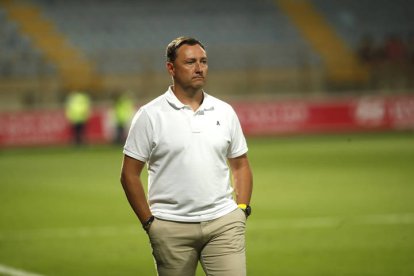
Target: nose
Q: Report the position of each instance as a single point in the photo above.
(198, 67)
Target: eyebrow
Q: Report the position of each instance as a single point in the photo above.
(193, 58)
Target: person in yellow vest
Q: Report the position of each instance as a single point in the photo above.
(123, 111)
(77, 111)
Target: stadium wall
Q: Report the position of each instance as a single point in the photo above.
(50, 127)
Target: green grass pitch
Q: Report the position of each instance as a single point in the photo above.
(322, 205)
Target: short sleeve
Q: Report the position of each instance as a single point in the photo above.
(238, 145)
(138, 144)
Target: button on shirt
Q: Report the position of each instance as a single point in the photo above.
(186, 153)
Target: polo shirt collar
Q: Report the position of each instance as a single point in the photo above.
(175, 102)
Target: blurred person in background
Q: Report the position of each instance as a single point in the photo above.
(77, 110)
(366, 50)
(123, 112)
(368, 55)
(395, 55)
(190, 141)
(410, 55)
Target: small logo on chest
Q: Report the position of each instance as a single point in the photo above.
(218, 123)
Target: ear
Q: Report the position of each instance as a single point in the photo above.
(170, 68)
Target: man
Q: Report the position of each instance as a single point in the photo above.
(123, 110)
(186, 137)
(77, 111)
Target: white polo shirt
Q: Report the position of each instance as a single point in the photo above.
(186, 154)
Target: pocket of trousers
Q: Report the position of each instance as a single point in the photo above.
(155, 242)
(153, 225)
(242, 215)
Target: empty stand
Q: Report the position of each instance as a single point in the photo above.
(75, 71)
(340, 61)
(354, 18)
(255, 47)
(18, 56)
(117, 34)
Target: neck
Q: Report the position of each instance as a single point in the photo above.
(192, 98)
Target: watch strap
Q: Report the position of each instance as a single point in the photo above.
(146, 225)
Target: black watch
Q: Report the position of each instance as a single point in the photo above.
(146, 225)
(246, 209)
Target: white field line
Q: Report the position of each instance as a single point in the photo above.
(333, 222)
(76, 232)
(11, 271)
(275, 224)
(254, 225)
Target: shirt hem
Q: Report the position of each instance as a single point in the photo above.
(237, 154)
(135, 156)
(190, 219)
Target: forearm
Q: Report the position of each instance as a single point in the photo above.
(242, 179)
(243, 185)
(136, 197)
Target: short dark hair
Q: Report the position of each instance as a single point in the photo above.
(173, 46)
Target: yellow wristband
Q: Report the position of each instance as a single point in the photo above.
(242, 206)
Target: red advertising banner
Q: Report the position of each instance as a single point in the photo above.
(46, 128)
(356, 114)
(257, 118)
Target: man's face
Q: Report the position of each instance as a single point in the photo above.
(189, 69)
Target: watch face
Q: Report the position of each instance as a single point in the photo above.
(248, 210)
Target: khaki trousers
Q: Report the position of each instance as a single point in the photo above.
(218, 244)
